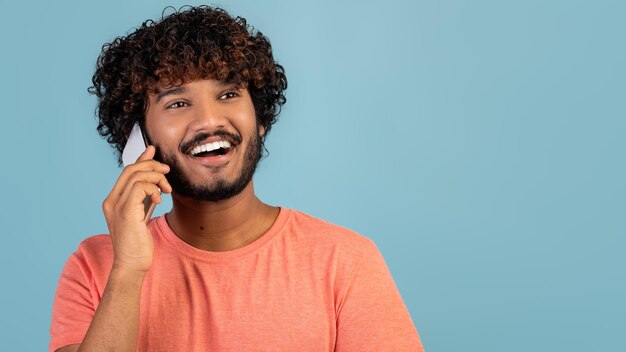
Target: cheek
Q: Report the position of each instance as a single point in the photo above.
(248, 123)
(169, 133)
(164, 135)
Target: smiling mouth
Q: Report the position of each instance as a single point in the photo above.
(216, 152)
(211, 149)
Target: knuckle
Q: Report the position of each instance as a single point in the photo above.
(152, 187)
(137, 186)
(142, 186)
(145, 176)
(106, 205)
(133, 178)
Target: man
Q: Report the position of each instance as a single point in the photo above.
(222, 271)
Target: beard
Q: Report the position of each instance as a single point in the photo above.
(221, 189)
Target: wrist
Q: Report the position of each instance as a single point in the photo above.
(121, 271)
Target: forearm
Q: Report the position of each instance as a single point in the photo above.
(115, 325)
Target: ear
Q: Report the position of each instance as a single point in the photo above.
(261, 130)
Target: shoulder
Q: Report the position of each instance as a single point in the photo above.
(93, 255)
(96, 246)
(322, 234)
(324, 230)
(100, 248)
(330, 251)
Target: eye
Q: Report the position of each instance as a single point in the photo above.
(229, 95)
(177, 104)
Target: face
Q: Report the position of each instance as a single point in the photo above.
(183, 122)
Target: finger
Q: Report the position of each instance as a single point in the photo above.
(154, 177)
(130, 170)
(131, 203)
(156, 198)
(147, 154)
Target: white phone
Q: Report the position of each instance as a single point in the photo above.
(135, 146)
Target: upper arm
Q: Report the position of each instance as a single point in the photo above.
(373, 316)
(73, 307)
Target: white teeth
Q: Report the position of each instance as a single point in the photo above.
(209, 147)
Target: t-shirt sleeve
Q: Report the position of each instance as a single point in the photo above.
(372, 315)
(73, 307)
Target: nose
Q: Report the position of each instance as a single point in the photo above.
(208, 116)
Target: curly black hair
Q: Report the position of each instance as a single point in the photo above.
(190, 43)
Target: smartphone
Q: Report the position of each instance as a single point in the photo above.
(135, 146)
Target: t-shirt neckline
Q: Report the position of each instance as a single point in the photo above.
(208, 256)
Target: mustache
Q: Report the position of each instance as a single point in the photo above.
(199, 138)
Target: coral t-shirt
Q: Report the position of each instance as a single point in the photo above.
(305, 285)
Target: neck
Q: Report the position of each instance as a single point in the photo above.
(224, 225)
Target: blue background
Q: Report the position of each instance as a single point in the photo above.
(479, 143)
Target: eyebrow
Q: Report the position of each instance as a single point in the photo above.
(171, 91)
(182, 90)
